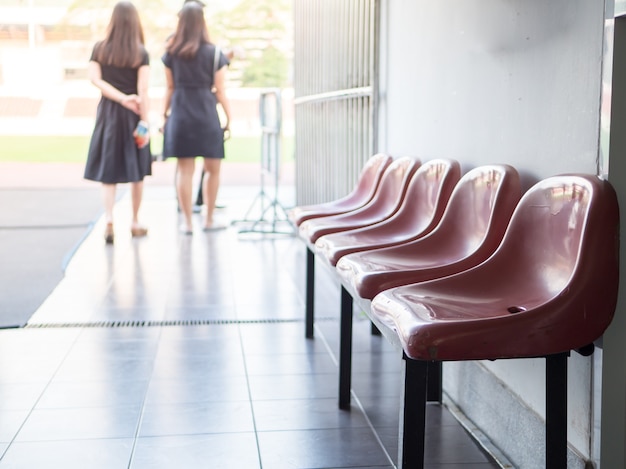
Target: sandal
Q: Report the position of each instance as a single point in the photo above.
(108, 234)
(184, 229)
(214, 227)
(138, 231)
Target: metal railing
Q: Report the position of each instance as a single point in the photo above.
(334, 82)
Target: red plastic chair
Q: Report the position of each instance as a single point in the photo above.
(362, 193)
(422, 208)
(549, 288)
(470, 230)
(385, 203)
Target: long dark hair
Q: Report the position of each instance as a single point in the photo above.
(124, 41)
(191, 32)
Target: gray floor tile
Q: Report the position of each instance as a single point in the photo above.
(72, 454)
(35, 342)
(290, 364)
(27, 370)
(305, 414)
(116, 336)
(199, 336)
(80, 423)
(115, 313)
(197, 312)
(196, 418)
(78, 368)
(226, 451)
(374, 384)
(113, 349)
(450, 445)
(345, 447)
(20, 396)
(278, 339)
(10, 423)
(276, 387)
(184, 366)
(205, 388)
(103, 393)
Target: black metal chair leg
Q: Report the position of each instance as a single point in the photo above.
(556, 411)
(413, 419)
(310, 293)
(345, 350)
(434, 382)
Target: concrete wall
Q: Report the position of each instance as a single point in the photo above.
(499, 81)
(493, 80)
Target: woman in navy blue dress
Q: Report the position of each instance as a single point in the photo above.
(195, 86)
(119, 67)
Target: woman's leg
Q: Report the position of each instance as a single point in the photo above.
(108, 199)
(136, 193)
(184, 183)
(210, 187)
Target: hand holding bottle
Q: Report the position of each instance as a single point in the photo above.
(142, 134)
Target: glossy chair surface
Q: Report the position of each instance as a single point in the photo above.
(422, 207)
(471, 228)
(550, 287)
(364, 190)
(385, 203)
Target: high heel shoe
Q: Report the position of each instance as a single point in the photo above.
(108, 234)
(138, 231)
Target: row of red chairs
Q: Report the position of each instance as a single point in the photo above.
(468, 268)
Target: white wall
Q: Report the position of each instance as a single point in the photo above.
(499, 81)
(493, 80)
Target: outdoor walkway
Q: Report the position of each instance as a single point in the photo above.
(178, 351)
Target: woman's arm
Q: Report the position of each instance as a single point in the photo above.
(142, 132)
(220, 94)
(169, 90)
(143, 76)
(129, 101)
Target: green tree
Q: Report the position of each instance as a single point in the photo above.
(269, 70)
(261, 29)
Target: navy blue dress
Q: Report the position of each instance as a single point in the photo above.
(113, 156)
(193, 127)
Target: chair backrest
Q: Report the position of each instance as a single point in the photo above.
(478, 213)
(426, 198)
(362, 193)
(563, 242)
(393, 186)
(384, 204)
(565, 230)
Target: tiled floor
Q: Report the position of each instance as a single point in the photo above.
(179, 351)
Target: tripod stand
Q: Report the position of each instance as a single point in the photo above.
(272, 214)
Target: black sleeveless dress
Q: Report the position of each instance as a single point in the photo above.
(193, 127)
(113, 156)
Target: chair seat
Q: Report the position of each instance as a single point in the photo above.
(422, 208)
(550, 287)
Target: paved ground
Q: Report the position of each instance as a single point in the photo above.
(46, 209)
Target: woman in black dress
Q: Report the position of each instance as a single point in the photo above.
(119, 67)
(195, 86)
